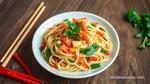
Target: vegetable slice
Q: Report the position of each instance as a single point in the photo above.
(53, 65)
(71, 61)
(65, 48)
(82, 62)
(47, 54)
(93, 66)
(84, 37)
(92, 58)
(103, 49)
(100, 34)
(74, 28)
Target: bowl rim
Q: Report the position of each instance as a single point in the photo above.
(88, 75)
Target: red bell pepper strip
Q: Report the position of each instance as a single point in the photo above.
(65, 48)
(43, 44)
(82, 62)
(84, 37)
(84, 29)
(100, 34)
(64, 39)
(53, 65)
(92, 58)
(107, 53)
(74, 20)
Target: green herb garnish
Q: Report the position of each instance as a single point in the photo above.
(143, 23)
(103, 50)
(74, 28)
(134, 18)
(94, 25)
(71, 61)
(90, 49)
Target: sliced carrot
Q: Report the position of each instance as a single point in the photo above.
(74, 20)
(84, 29)
(82, 21)
(43, 44)
(107, 53)
(84, 37)
(75, 57)
(65, 48)
(82, 62)
(100, 34)
(53, 65)
(93, 58)
(68, 43)
(66, 27)
(64, 39)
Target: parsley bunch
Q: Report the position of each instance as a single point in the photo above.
(143, 23)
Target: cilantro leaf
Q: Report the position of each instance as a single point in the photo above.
(90, 49)
(74, 28)
(134, 18)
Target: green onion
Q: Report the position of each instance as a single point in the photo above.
(71, 61)
(89, 27)
(83, 50)
(93, 66)
(47, 54)
(94, 25)
(65, 20)
(103, 50)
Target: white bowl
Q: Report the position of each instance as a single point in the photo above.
(37, 38)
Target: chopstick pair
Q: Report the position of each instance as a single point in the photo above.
(19, 76)
(28, 26)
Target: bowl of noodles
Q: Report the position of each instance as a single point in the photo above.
(75, 44)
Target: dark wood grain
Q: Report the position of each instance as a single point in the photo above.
(130, 61)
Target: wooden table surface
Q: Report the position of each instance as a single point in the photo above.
(130, 62)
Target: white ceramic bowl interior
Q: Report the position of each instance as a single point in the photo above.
(37, 38)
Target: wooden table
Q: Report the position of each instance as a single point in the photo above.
(130, 62)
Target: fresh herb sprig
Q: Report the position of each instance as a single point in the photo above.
(143, 23)
(74, 28)
(90, 49)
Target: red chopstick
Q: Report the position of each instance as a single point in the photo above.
(21, 62)
(16, 74)
(21, 74)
